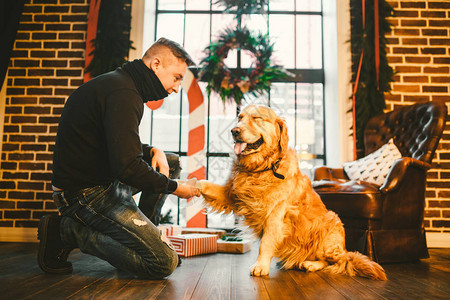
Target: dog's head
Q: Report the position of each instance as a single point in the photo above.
(259, 132)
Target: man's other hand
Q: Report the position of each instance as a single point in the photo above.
(159, 161)
(186, 190)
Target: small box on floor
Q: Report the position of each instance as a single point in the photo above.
(234, 246)
(169, 229)
(194, 244)
(220, 232)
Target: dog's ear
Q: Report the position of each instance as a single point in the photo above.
(284, 138)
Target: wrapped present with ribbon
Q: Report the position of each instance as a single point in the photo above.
(220, 232)
(170, 230)
(194, 244)
(232, 244)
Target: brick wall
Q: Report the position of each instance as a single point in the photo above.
(46, 66)
(419, 52)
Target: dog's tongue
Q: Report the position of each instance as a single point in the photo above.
(239, 147)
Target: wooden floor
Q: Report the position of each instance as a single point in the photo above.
(215, 276)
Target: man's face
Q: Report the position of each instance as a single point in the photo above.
(170, 71)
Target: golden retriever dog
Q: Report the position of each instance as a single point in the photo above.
(279, 203)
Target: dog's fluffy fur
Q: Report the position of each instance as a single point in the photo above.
(287, 214)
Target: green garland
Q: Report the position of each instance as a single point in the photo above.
(112, 44)
(369, 100)
(234, 84)
(243, 6)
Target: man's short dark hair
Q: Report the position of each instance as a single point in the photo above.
(176, 49)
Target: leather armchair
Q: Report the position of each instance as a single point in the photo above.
(386, 222)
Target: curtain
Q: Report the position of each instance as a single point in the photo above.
(10, 12)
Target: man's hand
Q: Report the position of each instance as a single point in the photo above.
(159, 161)
(187, 189)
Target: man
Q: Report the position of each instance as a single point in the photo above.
(98, 160)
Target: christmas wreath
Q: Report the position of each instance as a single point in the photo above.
(232, 84)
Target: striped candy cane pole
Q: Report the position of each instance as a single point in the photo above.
(94, 9)
(195, 213)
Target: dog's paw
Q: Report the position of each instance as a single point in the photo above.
(335, 252)
(203, 182)
(259, 270)
(204, 186)
(313, 266)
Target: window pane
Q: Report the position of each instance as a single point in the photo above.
(220, 22)
(197, 4)
(196, 43)
(283, 5)
(231, 60)
(309, 42)
(309, 5)
(217, 6)
(171, 4)
(146, 124)
(219, 169)
(282, 101)
(304, 116)
(221, 121)
(171, 205)
(281, 31)
(310, 115)
(248, 59)
(170, 26)
(255, 22)
(166, 124)
(250, 99)
(184, 122)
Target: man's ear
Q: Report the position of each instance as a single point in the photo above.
(155, 64)
(284, 138)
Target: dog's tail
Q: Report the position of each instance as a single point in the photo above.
(355, 263)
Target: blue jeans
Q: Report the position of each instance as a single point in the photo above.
(105, 221)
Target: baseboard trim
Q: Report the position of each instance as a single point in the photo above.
(18, 234)
(29, 235)
(438, 239)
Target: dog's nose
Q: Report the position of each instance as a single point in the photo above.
(235, 131)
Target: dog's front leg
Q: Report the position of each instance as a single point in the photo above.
(216, 196)
(266, 251)
(272, 236)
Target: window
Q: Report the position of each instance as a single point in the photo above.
(295, 28)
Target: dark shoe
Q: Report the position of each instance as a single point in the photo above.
(52, 254)
(179, 260)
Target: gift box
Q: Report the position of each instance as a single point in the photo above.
(234, 246)
(194, 244)
(219, 232)
(169, 229)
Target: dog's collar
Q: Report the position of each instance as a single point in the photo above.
(275, 167)
(272, 168)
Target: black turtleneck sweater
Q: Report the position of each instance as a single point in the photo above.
(98, 134)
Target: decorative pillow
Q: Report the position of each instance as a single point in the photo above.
(374, 167)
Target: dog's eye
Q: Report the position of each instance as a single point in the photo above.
(257, 118)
